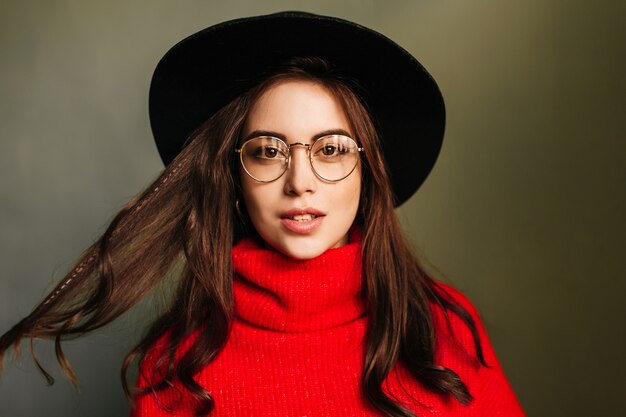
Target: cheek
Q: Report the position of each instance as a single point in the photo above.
(258, 203)
(349, 197)
(355, 187)
(251, 197)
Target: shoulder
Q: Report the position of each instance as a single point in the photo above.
(450, 301)
(459, 329)
(157, 356)
(446, 292)
(457, 324)
(460, 345)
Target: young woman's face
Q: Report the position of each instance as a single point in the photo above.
(299, 111)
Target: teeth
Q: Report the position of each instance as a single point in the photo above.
(303, 217)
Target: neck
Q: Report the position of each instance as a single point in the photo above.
(275, 292)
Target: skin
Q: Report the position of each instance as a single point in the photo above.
(298, 110)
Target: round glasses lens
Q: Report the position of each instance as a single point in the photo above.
(264, 158)
(334, 157)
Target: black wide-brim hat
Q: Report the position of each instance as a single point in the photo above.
(208, 69)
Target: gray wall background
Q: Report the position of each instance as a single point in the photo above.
(524, 210)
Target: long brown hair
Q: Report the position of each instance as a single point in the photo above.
(183, 226)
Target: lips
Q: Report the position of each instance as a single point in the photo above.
(302, 221)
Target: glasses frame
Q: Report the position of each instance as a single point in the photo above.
(307, 146)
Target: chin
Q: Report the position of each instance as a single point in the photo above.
(303, 255)
(301, 248)
(302, 252)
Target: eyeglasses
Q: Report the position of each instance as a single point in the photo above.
(332, 157)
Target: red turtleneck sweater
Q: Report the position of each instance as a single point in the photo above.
(297, 347)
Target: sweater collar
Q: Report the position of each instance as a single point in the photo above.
(275, 292)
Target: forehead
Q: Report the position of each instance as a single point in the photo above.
(297, 110)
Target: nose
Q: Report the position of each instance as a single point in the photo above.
(300, 177)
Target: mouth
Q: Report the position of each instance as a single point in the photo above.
(302, 221)
(301, 217)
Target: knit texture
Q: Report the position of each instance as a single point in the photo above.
(297, 347)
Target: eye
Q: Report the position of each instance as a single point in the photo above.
(329, 150)
(267, 152)
(332, 150)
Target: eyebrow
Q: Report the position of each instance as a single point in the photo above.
(257, 133)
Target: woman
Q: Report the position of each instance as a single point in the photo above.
(288, 140)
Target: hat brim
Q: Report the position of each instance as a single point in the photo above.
(205, 71)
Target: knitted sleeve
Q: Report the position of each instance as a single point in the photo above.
(168, 402)
(493, 395)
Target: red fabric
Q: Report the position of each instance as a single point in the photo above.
(297, 347)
